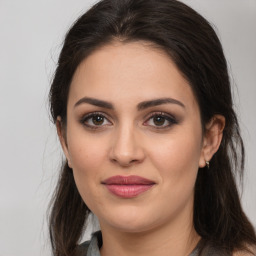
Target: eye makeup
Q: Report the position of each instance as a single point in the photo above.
(160, 120)
(95, 120)
(155, 120)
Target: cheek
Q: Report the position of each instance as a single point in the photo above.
(87, 155)
(86, 150)
(177, 158)
(177, 166)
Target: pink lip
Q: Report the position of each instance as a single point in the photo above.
(127, 186)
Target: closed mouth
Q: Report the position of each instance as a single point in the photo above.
(128, 186)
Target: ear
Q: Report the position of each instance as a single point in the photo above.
(212, 139)
(62, 137)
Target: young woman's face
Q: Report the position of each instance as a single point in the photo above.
(134, 138)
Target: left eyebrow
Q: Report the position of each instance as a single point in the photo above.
(151, 103)
(95, 102)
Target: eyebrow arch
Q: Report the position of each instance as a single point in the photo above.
(157, 102)
(141, 106)
(95, 102)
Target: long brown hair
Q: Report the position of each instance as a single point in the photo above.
(193, 45)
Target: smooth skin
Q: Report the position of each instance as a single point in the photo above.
(115, 126)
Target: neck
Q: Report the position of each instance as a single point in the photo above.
(170, 238)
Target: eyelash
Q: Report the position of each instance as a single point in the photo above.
(91, 115)
(172, 120)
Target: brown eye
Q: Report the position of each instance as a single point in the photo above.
(98, 120)
(95, 120)
(159, 120)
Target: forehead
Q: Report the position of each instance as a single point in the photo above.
(134, 70)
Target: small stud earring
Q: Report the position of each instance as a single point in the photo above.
(207, 164)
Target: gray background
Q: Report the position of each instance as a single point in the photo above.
(31, 34)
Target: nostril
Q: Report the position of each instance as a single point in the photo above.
(124, 162)
(126, 150)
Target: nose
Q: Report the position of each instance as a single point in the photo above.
(127, 147)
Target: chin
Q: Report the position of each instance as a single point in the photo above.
(129, 219)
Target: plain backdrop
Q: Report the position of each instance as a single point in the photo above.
(31, 34)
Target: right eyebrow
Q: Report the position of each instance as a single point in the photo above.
(157, 102)
(95, 102)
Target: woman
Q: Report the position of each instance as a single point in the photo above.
(142, 103)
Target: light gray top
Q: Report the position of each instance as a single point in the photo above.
(91, 248)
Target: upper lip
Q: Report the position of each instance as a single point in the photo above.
(127, 180)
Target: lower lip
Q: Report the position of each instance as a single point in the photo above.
(128, 191)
